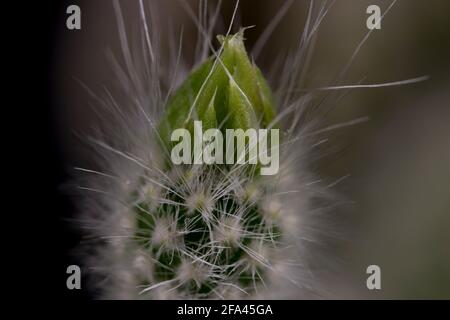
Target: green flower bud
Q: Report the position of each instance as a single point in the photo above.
(225, 93)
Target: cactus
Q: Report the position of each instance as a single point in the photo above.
(192, 231)
(160, 230)
(206, 232)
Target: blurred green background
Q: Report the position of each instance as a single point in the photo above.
(398, 162)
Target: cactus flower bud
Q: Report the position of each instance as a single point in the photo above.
(227, 92)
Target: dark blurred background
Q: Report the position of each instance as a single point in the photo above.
(398, 162)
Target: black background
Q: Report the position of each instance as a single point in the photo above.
(46, 241)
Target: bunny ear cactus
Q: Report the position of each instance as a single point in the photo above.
(209, 231)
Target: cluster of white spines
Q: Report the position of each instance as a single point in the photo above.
(201, 240)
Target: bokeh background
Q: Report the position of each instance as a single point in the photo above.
(397, 193)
